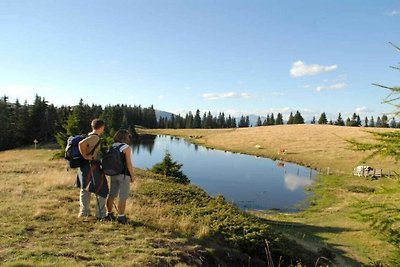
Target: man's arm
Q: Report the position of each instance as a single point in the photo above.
(83, 148)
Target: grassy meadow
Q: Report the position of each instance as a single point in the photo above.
(351, 221)
(170, 224)
(349, 216)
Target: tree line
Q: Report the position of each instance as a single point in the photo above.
(21, 124)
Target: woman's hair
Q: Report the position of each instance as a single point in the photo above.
(122, 136)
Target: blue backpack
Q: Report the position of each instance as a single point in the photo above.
(72, 153)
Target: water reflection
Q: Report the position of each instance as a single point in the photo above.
(294, 182)
(248, 181)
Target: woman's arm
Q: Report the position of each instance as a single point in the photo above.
(128, 158)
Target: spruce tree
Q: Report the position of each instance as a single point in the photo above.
(171, 169)
(298, 119)
(322, 119)
(279, 119)
(291, 119)
(371, 122)
(313, 120)
(259, 123)
(339, 120)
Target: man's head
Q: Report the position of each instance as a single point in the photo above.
(98, 126)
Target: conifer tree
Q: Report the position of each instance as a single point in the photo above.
(313, 120)
(385, 120)
(272, 119)
(279, 119)
(291, 119)
(197, 120)
(378, 122)
(392, 123)
(170, 168)
(298, 119)
(366, 121)
(322, 119)
(339, 120)
(371, 122)
(259, 123)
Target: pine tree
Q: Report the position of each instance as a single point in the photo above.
(378, 122)
(170, 168)
(385, 120)
(313, 120)
(371, 122)
(339, 120)
(393, 123)
(272, 119)
(366, 121)
(291, 119)
(197, 120)
(279, 119)
(259, 123)
(298, 119)
(322, 119)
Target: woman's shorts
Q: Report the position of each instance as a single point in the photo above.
(120, 184)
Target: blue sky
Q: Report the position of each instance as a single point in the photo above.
(239, 57)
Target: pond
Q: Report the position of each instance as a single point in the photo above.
(249, 182)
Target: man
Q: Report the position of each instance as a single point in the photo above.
(90, 177)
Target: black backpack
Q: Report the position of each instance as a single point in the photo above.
(114, 161)
(72, 153)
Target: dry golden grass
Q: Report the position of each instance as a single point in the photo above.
(317, 146)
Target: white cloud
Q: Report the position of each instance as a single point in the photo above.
(218, 96)
(363, 110)
(300, 68)
(336, 86)
(393, 13)
(160, 97)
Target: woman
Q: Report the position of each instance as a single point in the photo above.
(120, 183)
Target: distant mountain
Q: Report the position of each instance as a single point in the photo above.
(163, 114)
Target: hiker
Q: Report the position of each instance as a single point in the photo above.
(120, 183)
(91, 178)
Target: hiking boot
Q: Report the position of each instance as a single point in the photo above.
(110, 217)
(122, 219)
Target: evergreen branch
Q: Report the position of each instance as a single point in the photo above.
(383, 86)
(395, 46)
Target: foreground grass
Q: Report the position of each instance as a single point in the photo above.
(171, 224)
(317, 146)
(349, 216)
